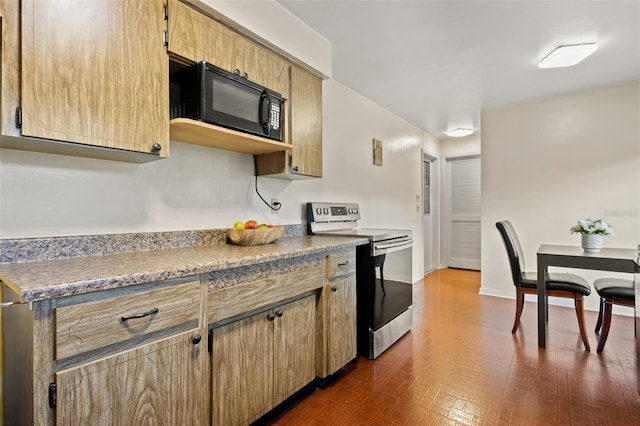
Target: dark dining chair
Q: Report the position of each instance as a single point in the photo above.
(612, 291)
(558, 284)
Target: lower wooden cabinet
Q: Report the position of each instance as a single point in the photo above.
(152, 384)
(341, 293)
(341, 343)
(294, 347)
(126, 356)
(140, 355)
(259, 361)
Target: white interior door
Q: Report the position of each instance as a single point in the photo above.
(463, 213)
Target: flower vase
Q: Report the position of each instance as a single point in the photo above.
(591, 243)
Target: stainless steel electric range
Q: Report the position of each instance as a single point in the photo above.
(383, 274)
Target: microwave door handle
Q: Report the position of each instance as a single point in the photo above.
(265, 111)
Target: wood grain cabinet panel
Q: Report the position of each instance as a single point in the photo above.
(343, 263)
(76, 325)
(151, 385)
(242, 370)
(161, 377)
(294, 347)
(259, 361)
(236, 300)
(342, 323)
(340, 308)
(10, 70)
(196, 37)
(95, 73)
(306, 123)
(304, 132)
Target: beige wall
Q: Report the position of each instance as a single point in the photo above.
(457, 147)
(549, 163)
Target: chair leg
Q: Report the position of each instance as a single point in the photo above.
(605, 326)
(519, 306)
(580, 313)
(599, 322)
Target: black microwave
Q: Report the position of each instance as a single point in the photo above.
(207, 93)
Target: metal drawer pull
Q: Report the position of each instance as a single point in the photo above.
(125, 318)
(345, 263)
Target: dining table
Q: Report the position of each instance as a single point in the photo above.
(607, 259)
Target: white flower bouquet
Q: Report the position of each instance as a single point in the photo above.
(588, 226)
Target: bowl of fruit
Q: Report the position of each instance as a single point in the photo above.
(250, 233)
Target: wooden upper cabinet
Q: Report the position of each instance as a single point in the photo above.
(96, 73)
(261, 66)
(197, 37)
(10, 67)
(303, 132)
(306, 123)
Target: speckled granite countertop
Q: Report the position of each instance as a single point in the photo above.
(53, 278)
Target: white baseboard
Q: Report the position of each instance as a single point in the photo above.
(556, 301)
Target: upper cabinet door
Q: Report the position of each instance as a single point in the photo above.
(96, 73)
(306, 123)
(261, 66)
(197, 37)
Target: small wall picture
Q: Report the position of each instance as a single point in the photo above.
(377, 152)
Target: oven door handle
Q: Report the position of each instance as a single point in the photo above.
(390, 246)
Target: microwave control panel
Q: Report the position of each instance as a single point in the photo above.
(275, 116)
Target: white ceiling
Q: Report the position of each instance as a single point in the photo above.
(437, 64)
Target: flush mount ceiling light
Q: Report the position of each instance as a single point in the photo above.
(566, 56)
(458, 133)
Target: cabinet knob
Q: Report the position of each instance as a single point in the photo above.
(236, 71)
(296, 169)
(156, 148)
(245, 76)
(271, 316)
(196, 339)
(279, 313)
(334, 288)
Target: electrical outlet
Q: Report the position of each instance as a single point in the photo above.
(275, 206)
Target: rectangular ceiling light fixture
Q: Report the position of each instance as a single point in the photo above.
(566, 56)
(458, 133)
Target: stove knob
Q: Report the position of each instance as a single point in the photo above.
(318, 210)
(326, 210)
(355, 211)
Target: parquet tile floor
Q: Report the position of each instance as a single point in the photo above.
(460, 365)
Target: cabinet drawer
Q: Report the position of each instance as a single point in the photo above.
(228, 302)
(342, 263)
(92, 325)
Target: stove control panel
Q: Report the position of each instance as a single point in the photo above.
(332, 212)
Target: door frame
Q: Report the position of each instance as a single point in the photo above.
(435, 209)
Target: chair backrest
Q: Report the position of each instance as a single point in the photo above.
(514, 250)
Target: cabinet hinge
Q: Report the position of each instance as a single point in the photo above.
(166, 11)
(166, 39)
(18, 117)
(210, 341)
(53, 395)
